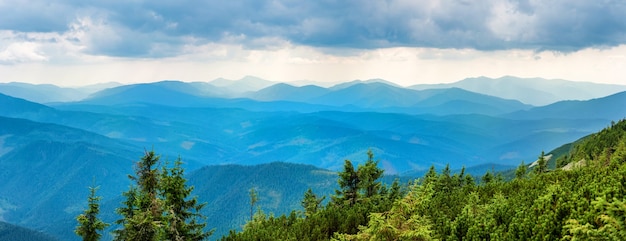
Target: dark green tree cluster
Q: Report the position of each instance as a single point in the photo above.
(89, 225)
(587, 202)
(156, 207)
(360, 193)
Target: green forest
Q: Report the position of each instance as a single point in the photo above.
(576, 194)
(585, 201)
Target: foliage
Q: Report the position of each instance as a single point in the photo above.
(583, 203)
(360, 194)
(311, 203)
(182, 214)
(156, 207)
(254, 198)
(89, 225)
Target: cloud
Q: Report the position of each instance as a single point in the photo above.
(35, 16)
(20, 48)
(21, 52)
(156, 29)
(101, 37)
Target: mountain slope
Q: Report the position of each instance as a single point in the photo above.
(375, 96)
(280, 188)
(324, 139)
(45, 170)
(10, 106)
(608, 108)
(371, 95)
(16, 233)
(534, 91)
(42, 93)
(162, 93)
(356, 82)
(46, 93)
(285, 92)
(243, 85)
(459, 101)
(382, 97)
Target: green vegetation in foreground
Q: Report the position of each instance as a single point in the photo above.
(585, 201)
(156, 207)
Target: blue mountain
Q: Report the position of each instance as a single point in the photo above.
(16, 233)
(382, 97)
(60, 148)
(46, 169)
(609, 108)
(534, 91)
(286, 92)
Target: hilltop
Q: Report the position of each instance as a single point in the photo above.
(53, 151)
(585, 202)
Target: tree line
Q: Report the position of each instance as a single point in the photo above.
(157, 206)
(586, 202)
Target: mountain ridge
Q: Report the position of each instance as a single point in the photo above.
(59, 147)
(609, 107)
(534, 91)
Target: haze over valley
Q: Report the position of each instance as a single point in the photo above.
(84, 133)
(312, 120)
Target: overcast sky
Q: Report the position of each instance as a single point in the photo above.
(76, 42)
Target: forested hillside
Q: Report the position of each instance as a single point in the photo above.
(585, 201)
(16, 233)
(50, 154)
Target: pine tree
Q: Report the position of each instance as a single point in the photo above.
(254, 198)
(405, 221)
(157, 206)
(146, 220)
(395, 191)
(431, 175)
(88, 223)
(127, 211)
(368, 175)
(542, 164)
(311, 203)
(520, 172)
(359, 184)
(181, 212)
(349, 185)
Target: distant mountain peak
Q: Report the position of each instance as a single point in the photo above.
(43, 93)
(245, 84)
(357, 82)
(534, 91)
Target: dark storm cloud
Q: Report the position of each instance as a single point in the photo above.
(577, 24)
(37, 16)
(159, 28)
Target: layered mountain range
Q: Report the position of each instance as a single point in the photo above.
(53, 144)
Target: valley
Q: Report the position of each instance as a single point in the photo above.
(279, 138)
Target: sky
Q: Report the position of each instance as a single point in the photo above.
(77, 42)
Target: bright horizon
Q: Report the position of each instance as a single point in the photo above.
(405, 42)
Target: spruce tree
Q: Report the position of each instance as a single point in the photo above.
(520, 172)
(127, 212)
(542, 164)
(254, 198)
(158, 207)
(88, 223)
(182, 217)
(368, 175)
(311, 203)
(348, 184)
(146, 220)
